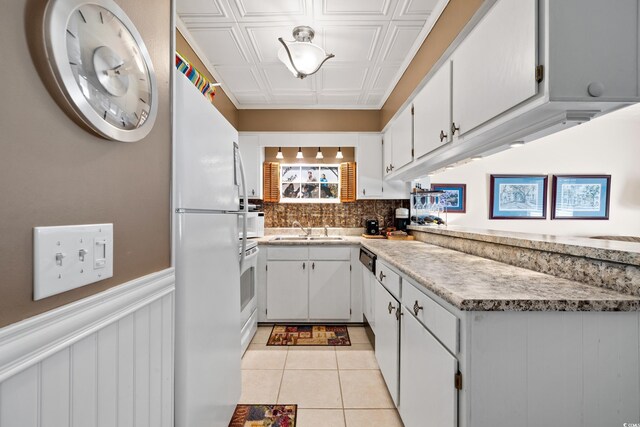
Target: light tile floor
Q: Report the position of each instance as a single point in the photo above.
(332, 386)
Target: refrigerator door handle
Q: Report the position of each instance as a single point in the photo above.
(245, 209)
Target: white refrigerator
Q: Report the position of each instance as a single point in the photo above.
(207, 179)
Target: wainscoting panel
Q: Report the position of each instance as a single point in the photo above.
(106, 361)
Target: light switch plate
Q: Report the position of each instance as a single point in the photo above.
(69, 257)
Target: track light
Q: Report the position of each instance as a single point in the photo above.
(279, 156)
(299, 155)
(319, 154)
(339, 154)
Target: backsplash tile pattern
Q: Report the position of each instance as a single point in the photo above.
(333, 215)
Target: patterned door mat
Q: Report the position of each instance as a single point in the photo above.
(264, 415)
(309, 335)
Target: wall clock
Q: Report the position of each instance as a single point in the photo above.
(102, 67)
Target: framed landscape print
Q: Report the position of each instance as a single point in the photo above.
(454, 197)
(580, 197)
(518, 197)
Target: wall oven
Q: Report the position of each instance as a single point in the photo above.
(248, 294)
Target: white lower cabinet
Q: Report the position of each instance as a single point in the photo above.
(368, 297)
(387, 338)
(427, 369)
(329, 297)
(308, 283)
(287, 290)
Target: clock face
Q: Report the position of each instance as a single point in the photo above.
(102, 67)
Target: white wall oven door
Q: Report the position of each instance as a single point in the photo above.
(248, 296)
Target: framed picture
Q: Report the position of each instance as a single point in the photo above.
(454, 197)
(580, 197)
(518, 197)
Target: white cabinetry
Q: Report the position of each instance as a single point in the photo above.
(398, 142)
(252, 159)
(369, 159)
(432, 113)
(427, 370)
(386, 312)
(308, 283)
(329, 295)
(494, 67)
(287, 290)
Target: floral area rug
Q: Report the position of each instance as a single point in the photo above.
(309, 335)
(264, 416)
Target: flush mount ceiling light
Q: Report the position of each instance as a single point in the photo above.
(319, 154)
(299, 155)
(300, 56)
(516, 144)
(339, 153)
(279, 156)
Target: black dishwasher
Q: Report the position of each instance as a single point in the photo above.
(368, 260)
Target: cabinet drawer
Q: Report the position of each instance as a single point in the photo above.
(388, 278)
(340, 253)
(436, 318)
(292, 253)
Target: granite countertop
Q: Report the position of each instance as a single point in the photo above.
(604, 250)
(346, 240)
(473, 283)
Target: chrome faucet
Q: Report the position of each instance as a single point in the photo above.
(326, 230)
(297, 224)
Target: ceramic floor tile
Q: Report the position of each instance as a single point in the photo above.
(263, 358)
(358, 346)
(358, 335)
(311, 389)
(320, 417)
(357, 359)
(311, 359)
(372, 417)
(260, 386)
(262, 335)
(364, 389)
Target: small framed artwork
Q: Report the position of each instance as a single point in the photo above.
(518, 197)
(454, 197)
(580, 197)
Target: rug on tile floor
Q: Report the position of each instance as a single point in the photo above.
(309, 335)
(264, 416)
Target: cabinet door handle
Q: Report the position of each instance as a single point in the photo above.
(443, 136)
(416, 308)
(253, 192)
(454, 128)
(391, 167)
(382, 276)
(387, 169)
(313, 265)
(304, 265)
(390, 307)
(398, 314)
(364, 192)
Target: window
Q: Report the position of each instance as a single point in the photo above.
(309, 183)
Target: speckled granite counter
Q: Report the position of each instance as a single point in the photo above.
(604, 250)
(472, 283)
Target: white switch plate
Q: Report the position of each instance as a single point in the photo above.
(69, 257)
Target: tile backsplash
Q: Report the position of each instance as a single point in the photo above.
(333, 215)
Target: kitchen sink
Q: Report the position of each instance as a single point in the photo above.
(333, 238)
(290, 238)
(312, 238)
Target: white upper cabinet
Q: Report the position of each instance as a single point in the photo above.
(594, 55)
(494, 67)
(387, 144)
(402, 140)
(432, 113)
(369, 160)
(252, 159)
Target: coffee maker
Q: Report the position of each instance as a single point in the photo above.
(401, 219)
(372, 227)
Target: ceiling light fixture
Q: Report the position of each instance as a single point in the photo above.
(476, 158)
(279, 156)
(339, 153)
(319, 154)
(300, 56)
(299, 155)
(516, 144)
